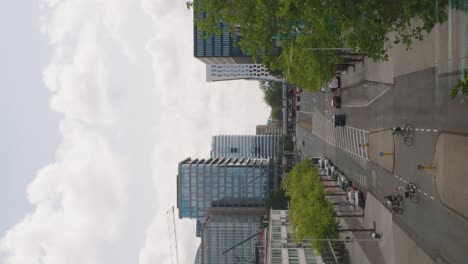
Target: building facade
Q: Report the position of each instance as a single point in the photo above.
(198, 255)
(280, 245)
(228, 234)
(226, 72)
(234, 146)
(220, 48)
(224, 182)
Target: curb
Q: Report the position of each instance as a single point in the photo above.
(435, 174)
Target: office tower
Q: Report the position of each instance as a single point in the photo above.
(258, 146)
(222, 48)
(218, 49)
(226, 72)
(224, 182)
(227, 235)
(198, 255)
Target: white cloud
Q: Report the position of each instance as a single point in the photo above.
(191, 112)
(77, 199)
(80, 198)
(82, 84)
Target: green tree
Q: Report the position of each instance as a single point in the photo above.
(311, 214)
(363, 26)
(461, 86)
(277, 200)
(273, 96)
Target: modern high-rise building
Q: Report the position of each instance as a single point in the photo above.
(227, 235)
(226, 72)
(198, 255)
(258, 146)
(221, 48)
(224, 182)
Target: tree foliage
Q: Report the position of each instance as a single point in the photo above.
(363, 26)
(311, 214)
(461, 86)
(277, 201)
(273, 97)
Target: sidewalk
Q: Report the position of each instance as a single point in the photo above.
(445, 47)
(452, 169)
(394, 247)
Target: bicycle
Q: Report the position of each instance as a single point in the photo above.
(407, 133)
(410, 191)
(394, 201)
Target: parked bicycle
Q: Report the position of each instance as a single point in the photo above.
(406, 133)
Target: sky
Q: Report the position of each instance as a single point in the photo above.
(101, 100)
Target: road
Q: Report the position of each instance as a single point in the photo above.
(422, 99)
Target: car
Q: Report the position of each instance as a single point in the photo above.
(336, 174)
(336, 101)
(344, 182)
(323, 163)
(356, 198)
(330, 170)
(331, 85)
(339, 120)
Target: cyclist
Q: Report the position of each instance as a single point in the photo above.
(392, 200)
(397, 130)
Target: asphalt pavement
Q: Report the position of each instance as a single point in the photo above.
(413, 99)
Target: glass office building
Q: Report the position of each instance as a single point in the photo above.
(224, 182)
(222, 232)
(198, 256)
(234, 146)
(221, 48)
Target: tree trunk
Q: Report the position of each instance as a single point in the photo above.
(335, 194)
(356, 230)
(350, 215)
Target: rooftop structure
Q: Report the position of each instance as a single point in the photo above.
(234, 146)
(225, 72)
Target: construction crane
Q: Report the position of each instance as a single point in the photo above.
(171, 228)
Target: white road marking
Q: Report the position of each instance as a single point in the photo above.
(396, 176)
(426, 130)
(405, 181)
(371, 101)
(425, 194)
(432, 197)
(341, 139)
(419, 190)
